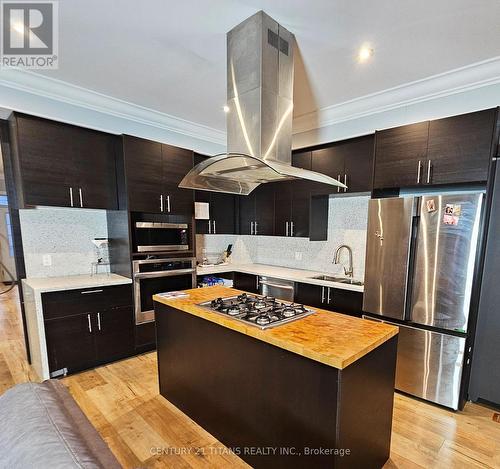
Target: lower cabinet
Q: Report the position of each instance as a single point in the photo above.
(333, 299)
(88, 327)
(246, 282)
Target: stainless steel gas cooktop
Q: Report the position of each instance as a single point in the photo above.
(259, 311)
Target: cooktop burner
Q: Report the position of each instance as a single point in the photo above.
(260, 311)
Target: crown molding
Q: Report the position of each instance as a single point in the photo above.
(444, 84)
(57, 90)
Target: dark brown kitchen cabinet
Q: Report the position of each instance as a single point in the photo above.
(459, 148)
(246, 282)
(70, 344)
(292, 201)
(452, 150)
(257, 211)
(88, 327)
(399, 153)
(330, 298)
(153, 172)
(349, 161)
(63, 165)
(222, 209)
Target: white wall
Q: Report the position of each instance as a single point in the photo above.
(453, 104)
(65, 234)
(347, 221)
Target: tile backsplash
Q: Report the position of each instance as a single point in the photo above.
(347, 223)
(65, 235)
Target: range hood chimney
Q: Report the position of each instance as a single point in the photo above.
(259, 121)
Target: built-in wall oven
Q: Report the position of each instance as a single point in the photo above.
(155, 236)
(159, 275)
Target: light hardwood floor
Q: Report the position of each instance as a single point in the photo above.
(145, 430)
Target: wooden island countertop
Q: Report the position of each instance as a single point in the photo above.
(330, 338)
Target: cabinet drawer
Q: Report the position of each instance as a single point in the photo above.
(72, 302)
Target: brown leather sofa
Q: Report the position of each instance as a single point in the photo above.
(42, 426)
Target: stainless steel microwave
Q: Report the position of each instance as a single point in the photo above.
(151, 236)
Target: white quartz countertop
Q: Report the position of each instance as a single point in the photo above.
(285, 273)
(74, 282)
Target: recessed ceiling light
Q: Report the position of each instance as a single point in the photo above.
(365, 53)
(225, 108)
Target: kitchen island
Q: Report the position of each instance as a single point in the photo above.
(315, 392)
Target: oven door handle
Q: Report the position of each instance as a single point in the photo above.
(165, 273)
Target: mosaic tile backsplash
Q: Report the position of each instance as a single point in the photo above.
(63, 233)
(347, 223)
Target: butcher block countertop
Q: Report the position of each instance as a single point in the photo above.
(334, 339)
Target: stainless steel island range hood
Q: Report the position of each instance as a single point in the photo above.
(259, 121)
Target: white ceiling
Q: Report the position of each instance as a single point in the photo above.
(170, 56)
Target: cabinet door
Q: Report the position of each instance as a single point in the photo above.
(114, 334)
(177, 162)
(397, 155)
(70, 343)
(283, 213)
(247, 213)
(346, 302)
(245, 282)
(223, 213)
(97, 170)
(460, 148)
(302, 159)
(264, 210)
(46, 151)
(310, 295)
(144, 173)
(301, 202)
(358, 159)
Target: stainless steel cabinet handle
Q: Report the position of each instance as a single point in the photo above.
(213, 231)
(338, 179)
(91, 291)
(291, 228)
(345, 182)
(161, 202)
(71, 196)
(89, 322)
(251, 227)
(255, 228)
(429, 166)
(99, 321)
(81, 197)
(328, 297)
(286, 228)
(209, 227)
(257, 283)
(322, 294)
(285, 287)
(168, 203)
(419, 171)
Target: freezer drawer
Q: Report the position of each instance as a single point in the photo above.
(429, 365)
(387, 256)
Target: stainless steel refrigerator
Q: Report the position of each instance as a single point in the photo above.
(420, 259)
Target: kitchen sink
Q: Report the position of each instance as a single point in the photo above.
(328, 278)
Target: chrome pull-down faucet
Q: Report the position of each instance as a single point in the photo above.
(348, 271)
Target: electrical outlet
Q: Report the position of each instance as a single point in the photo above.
(47, 260)
(298, 256)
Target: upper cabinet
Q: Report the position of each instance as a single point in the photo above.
(257, 211)
(153, 172)
(459, 148)
(63, 165)
(349, 161)
(444, 151)
(222, 209)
